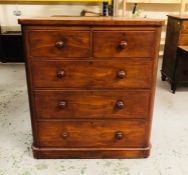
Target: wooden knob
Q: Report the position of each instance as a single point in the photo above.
(62, 104)
(61, 74)
(59, 44)
(119, 135)
(65, 135)
(120, 104)
(121, 74)
(123, 44)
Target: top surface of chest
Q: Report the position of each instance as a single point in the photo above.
(92, 21)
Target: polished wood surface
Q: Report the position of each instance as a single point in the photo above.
(91, 21)
(91, 104)
(92, 134)
(91, 85)
(88, 153)
(92, 74)
(123, 44)
(184, 28)
(59, 44)
(185, 48)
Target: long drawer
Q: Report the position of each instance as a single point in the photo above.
(123, 44)
(92, 74)
(91, 104)
(91, 133)
(59, 44)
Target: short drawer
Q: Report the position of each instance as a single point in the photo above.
(91, 104)
(59, 44)
(124, 44)
(91, 133)
(92, 74)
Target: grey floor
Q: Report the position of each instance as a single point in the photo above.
(169, 154)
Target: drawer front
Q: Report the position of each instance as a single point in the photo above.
(124, 44)
(93, 133)
(92, 104)
(59, 44)
(184, 27)
(183, 39)
(92, 74)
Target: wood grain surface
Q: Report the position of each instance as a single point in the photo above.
(91, 104)
(91, 84)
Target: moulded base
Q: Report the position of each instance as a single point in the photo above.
(88, 153)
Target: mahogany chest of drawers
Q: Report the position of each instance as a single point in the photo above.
(91, 84)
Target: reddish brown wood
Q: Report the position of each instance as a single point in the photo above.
(92, 74)
(59, 44)
(183, 39)
(184, 27)
(92, 134)
(123, 43)
(154, 75)
(91, 104)
(91, 21)
(87, 153)
(91, 85)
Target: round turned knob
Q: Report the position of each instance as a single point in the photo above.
(62, 104)
(65, 135)
(61, 74)
(120, 104)
(121, 74)
(123, 44)
(59, 44)
(119, 135)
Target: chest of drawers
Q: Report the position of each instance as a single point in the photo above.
(91, 84)
(174, 67)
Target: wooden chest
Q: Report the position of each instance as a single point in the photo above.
(91, 84)
(174, 66)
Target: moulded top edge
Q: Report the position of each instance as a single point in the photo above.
(116, 21)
